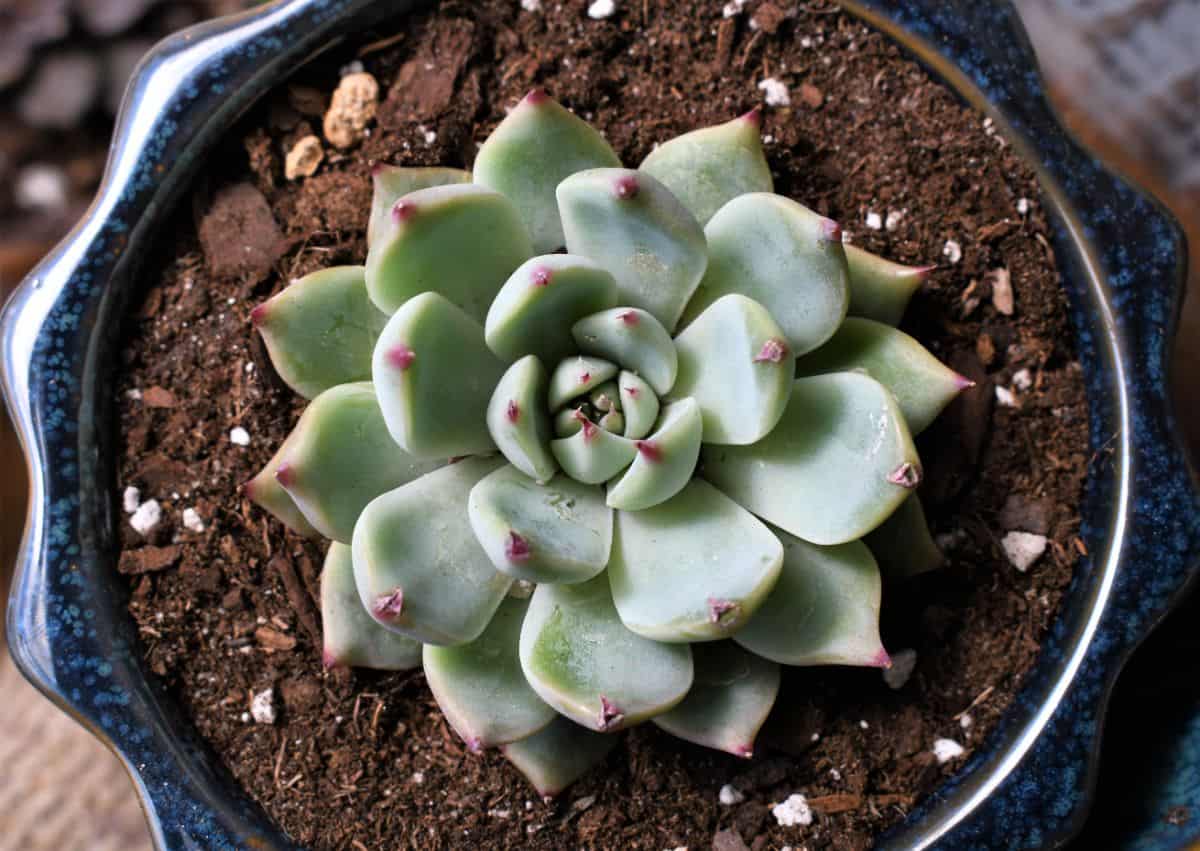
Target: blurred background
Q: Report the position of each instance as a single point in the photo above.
(1124, 73)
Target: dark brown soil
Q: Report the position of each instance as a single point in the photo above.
(365, 760)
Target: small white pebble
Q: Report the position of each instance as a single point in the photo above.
(806, 41)
(40, 187)
(238, 436)
(966, 721)
(430, 137)
(776, 92)
(768, 139)
(1005, 397)
(732, 8)
(816, 737)
(893, 219)
(192, 521)
(1022, 380)
(531, 5)
(146, 517)
(1023, 548)
(903, 663)
(134, 394)
(528, 805)
(874, 220)
(249, 366)
(952, 251)
(245, 716)
(947, 749)
(602, 9)
(794, 811)
(131, 499)
(262, 706)
(835, 774)
(418, 777)
(728, 796)
(863, 724)
(1023, 206)
(500, 814)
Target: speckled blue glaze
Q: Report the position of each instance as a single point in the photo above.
(1121, 259)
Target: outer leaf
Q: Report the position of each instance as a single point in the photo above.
(731, 698)
(839, 462)
(707, 168)
(557, 532)
(881, 289)
(665, 460)
(784, 256)
(639, 404)
(393, 182)
(558, 755)
(340, 457)
(694, 568)
(734, 361)
(534, 148)
(461, 241)
(581, 659)
(593, 455)
(265, 491)
(576, 376)
(824, 609)
(480, 687)
(320, 331)
(635, 228)
(920, 382)
(535, 309)
(634, 339)
(435, 376)
(518, 421)
(417, 564)
(903, 545)
(352, 637)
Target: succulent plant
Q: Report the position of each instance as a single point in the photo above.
(618, 484)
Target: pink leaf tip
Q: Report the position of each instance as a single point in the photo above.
(285, 475)
(882, 659)
(718, 609)
(328, 660)
(403, 210)
(772, 351)
(962, 382)
(474, 744)
(536, 96)
(516, 548)
(259, 314)
(589, 427)
(609, 715)
(744, 751)
(650, 450)
(390, 605)
(629, 317)
(401, 356)
(831, 231)
(513, 411)
(632, 391)
(541, 276)
(753, 117)
(585, 377)
(907, 475)
(626, 187)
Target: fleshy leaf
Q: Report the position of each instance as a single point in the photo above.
(881, 289)
(581, 659)
(729, 701)
(351, 636)
(576, 376)
(320, 331)
(824, 609)
(784, 256)
(903, 545)
(567, 422)
(393, 182)
(606, 397)
(709, 167)
(518, 421)
(634, 339)
(461, 241)
(593, 455)
(613, 421)
(635, 228)
(921, 383)
(735, 362)
(558, 755)
(639, 403)
(480, 687)
(557, 532)
(839, 462)
(536, 307)
(418, 567)
(340, 457)
(435, 375)
(533, 149)
(694, 568)
(265, 491)
(665, 460)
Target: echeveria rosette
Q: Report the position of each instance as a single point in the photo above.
(623, 481)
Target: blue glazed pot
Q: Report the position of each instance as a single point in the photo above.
(1121, 259)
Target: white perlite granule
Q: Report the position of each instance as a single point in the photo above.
(792, 812)
(602, 9)
(903, 663)
(1005, 396)
(776, 92)
(874, 221)
(238, 436)
(531, 5)
(952, 251)
(131, 499)
(146, 517)
(1022, 379)
(262, 706)
(947, 749)
(1023, 548)
(728, 796)
(192, 521)
(733, 8)
(1023, 206)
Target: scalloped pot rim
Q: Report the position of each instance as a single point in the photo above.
(1121, 258)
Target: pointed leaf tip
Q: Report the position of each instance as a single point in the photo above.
(609, 715)
(403, 210)
(882, 659)
(536, 96)
(541, 276)
(753, 117)
(719, 610)
(831, 231)
(390, 605)
(650, 450)
(907, 475)
(258, 315)
(401, 356)
(517, 549)
(285, 475)
(626, 187)
(773, 351)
